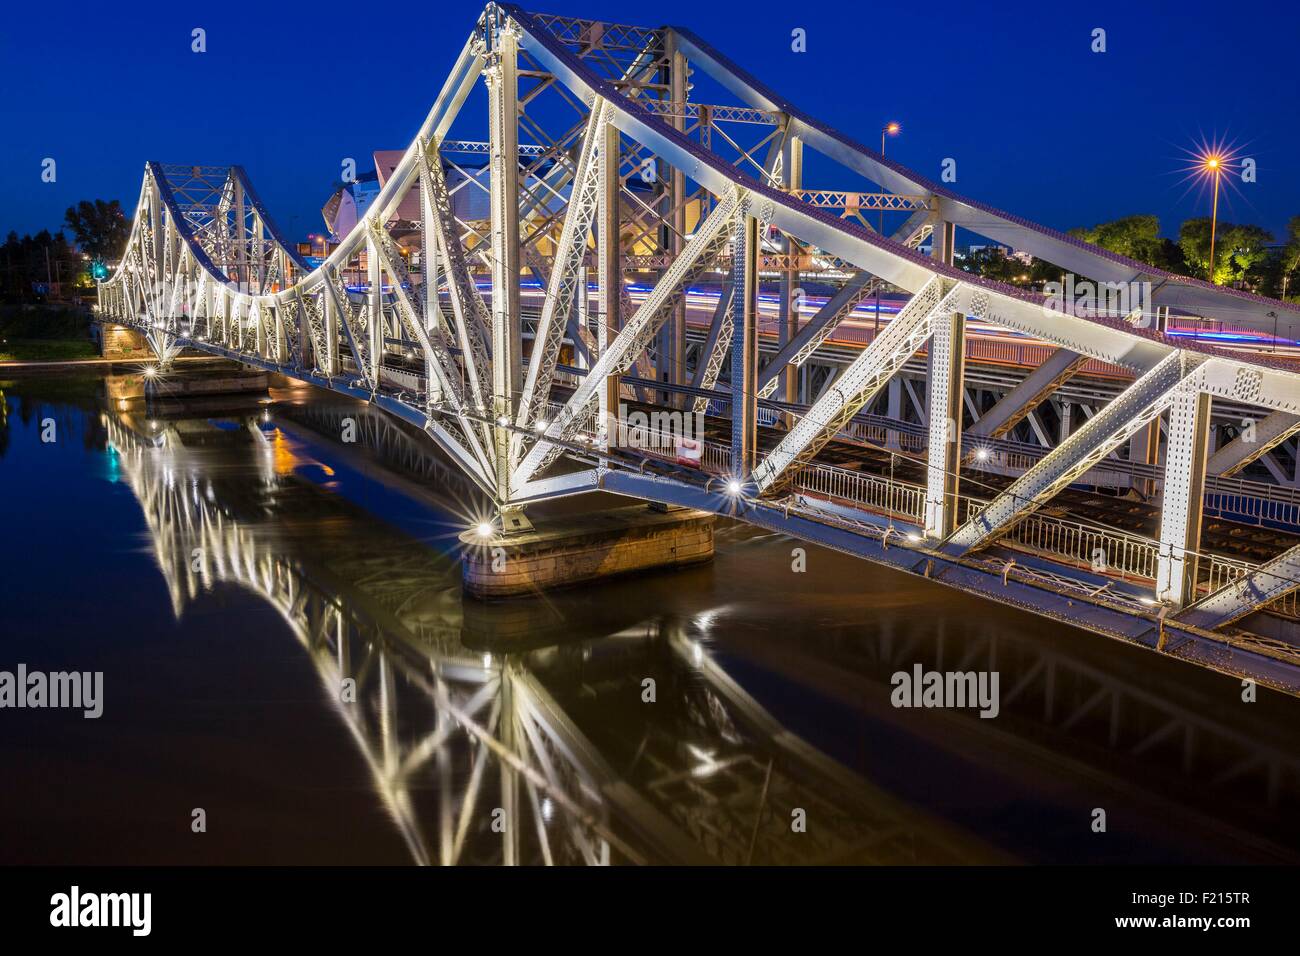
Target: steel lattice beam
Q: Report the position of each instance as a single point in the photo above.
(1028, 393)
(1108, 429)
(1255, 440)
(1268, 583)
(565, 273)
(857, 384)
(635, 334)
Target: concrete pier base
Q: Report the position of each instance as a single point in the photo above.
(229, 379)
(584, 548)
(119, 342)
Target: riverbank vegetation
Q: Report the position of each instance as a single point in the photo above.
(37, 332)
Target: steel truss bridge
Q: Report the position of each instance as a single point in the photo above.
(607, 167)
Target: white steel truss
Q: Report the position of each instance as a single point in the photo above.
(1146, 398)
(1262, 586)
(600, 164)
(859, 383)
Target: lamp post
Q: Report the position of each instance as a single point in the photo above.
(1213, 164)
(889, 129)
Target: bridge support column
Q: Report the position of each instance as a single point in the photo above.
(609, 274)
(241, 238)
(943, 241)
(429, 265)
(947, 383)
(375, 325)
(507, 356)
(1183, 497)
(792, 171)
(121, 341)
(583, 548)
(1144, 448)
(672, 348)
(257, 242)
(744, 347)
(330, 316)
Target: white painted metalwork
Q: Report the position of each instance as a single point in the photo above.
(439, 340)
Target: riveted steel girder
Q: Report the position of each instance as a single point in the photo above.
(857, 384)
(1108, 429)
(1267, 583)
(633, 337)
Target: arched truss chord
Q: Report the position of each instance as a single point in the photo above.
(599, 162)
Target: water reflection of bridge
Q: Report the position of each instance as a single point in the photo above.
(457, 739)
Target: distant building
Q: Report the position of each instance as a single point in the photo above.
(349, 203)
(1002, 250)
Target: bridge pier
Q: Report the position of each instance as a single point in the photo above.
(583, 548)
(122, 342)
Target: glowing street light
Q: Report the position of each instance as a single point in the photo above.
(1212, 165)
(733, 487)
(889, 129)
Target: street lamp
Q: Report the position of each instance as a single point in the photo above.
(889, 129)
(1212, 164)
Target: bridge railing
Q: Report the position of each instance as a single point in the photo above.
(588, 426)
(1113, 553)
(1254, 500)
(1241, 500)
(873, 492)
(1223, 571)
(905, 436)
(1244, 500)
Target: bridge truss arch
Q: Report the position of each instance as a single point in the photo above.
(620, 195)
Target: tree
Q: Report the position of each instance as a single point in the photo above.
(100, 228)
(1137, 237)
(1240, 252)
(28, 266)
(1289, 261)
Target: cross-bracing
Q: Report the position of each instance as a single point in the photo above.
(640, 210)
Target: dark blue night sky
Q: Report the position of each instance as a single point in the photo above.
(1039, 124)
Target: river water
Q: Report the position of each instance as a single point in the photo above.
(291, 674)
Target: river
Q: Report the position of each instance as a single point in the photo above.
(291, 674)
